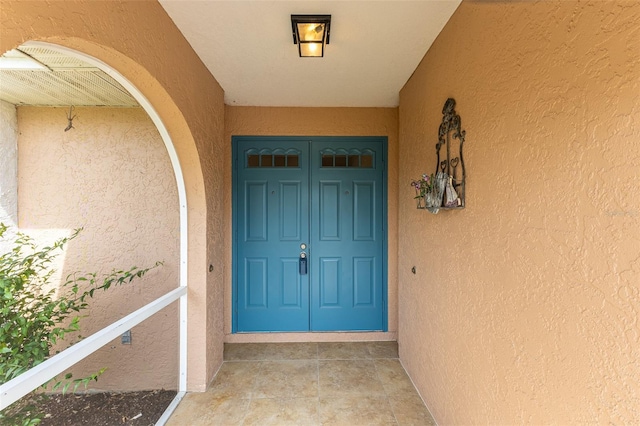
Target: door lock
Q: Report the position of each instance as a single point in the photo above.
(303, 263)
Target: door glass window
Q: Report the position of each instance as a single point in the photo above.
(274, 159)
(352, 159)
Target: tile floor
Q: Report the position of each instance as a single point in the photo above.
(307, 384)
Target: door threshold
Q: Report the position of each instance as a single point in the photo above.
(342, 336)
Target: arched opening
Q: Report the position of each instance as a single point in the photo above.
(140, 42)
(182, 264)
(107, 175)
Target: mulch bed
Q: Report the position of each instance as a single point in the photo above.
(104, 409)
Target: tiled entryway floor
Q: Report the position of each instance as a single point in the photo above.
(307, 384)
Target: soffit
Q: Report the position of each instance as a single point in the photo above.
(65, 81)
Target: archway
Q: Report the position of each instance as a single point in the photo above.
(183, 205)
(179, 180)
(139, 41)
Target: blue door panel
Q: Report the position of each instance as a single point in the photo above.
(330, 280)
(329, 218)
(290, 211)
(328, 194)
(290, 283)
(272, 211)
(346, 220)
(364, 211)
(364, 281)
(256, 211)
(256, 283)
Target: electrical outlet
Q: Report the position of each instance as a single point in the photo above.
(125, 339)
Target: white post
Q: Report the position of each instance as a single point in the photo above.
(8, 167)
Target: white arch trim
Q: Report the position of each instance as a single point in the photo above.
(182, 199)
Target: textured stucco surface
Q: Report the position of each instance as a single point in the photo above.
(525, 305)
(139, 40)
(264, 121)
(8, 164)
(110, 175)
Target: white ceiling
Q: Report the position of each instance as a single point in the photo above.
(247, 45)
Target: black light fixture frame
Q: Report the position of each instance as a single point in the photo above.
(310, 19)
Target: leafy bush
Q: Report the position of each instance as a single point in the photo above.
(33, 318)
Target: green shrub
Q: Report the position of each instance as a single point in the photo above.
(34, 318)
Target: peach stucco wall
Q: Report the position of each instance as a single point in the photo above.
(263, 121)
(111, 176)
(139, 40)
(525, 305)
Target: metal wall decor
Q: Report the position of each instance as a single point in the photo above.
(451, 127)
(445, 189)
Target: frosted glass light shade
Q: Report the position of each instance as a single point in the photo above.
(311, 33)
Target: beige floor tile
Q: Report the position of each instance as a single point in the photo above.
(307, 384)
(244, 351)
(235, 379)
(383, 349)
(269, 351)
(356, 410)
(282, 351)
(410, 410)
(393, 377)
(197, 409)
(282, 411)
(340, 350)
(348, 377)
(287, 379)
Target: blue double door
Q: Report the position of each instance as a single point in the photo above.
(309, 234)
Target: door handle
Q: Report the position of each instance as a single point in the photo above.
(302, 263)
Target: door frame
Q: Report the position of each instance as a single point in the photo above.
(234, 221)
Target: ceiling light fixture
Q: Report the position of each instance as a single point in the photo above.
(311, 33)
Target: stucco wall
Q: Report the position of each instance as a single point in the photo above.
(8, 164)
(264, 121)
(110, 175)
(139, 40)
(525, 305)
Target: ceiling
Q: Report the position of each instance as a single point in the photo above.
(248, 46)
